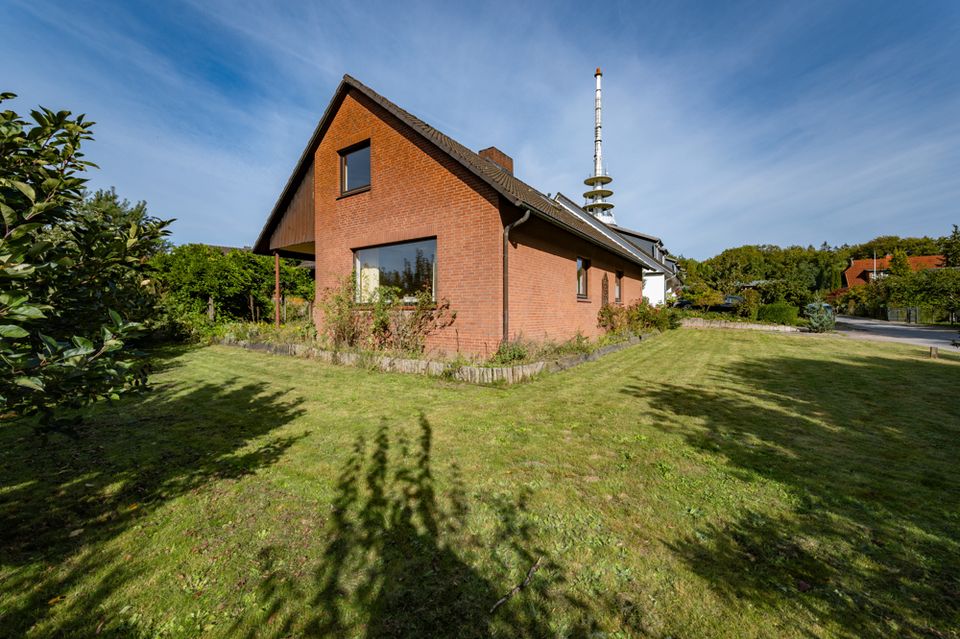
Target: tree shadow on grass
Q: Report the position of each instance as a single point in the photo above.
(399, 560)
(63, 502)
(868, 451)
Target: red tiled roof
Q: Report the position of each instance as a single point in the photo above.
(859, 270)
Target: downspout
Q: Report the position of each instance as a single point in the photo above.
(506, 273)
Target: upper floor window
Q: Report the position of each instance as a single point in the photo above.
(355, 168)
(618, 287)
(410, 267)
(583, 265)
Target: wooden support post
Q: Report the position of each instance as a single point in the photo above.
(276, 290)
(934, 352)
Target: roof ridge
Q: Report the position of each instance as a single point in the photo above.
(515, 190)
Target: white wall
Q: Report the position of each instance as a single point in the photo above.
(655, 288)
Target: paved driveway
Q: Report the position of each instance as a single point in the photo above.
(878, 330)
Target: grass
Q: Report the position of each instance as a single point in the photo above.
(703, 484)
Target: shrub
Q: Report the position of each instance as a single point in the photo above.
(819, 317)
(342, 324)
(409, 328)
(750, 306)
(290, 333)
(383, 324)
(235, 285)
(778, 313)
(820, 320)
(509, 353)
(613, 318)
(638, 318)
(700, 295)
(74, 279)
(643, 317)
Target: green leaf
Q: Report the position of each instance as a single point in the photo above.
(26, 312)
(12, 330)
(24, 188)
(112, 345)
(82, 342)
(9, 215)
(29, 382)
(22, 230)
(115, 316)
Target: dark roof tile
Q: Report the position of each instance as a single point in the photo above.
(510, 187)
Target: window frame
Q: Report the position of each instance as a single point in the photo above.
(357, 294)
(618, 287)
(583, 264)
(343, 153)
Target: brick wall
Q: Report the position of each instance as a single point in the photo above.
(543, 282)
(416, 192)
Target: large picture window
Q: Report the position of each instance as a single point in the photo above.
(583, 266)
(410, 267)
(355, 168)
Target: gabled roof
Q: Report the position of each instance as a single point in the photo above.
(647, 260)
(505, 184)
(858, 268)
(643, 236)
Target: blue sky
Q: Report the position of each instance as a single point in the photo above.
(724, 123)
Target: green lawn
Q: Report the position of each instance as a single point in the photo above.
(705, 483)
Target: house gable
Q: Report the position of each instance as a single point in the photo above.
(417, 192)
(294, 233)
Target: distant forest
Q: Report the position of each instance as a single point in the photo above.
(797, 274)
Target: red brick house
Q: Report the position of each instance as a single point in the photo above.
(379, 191)
(862, 271)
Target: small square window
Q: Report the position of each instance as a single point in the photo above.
(583, 265)
(355, 168)
(618, 287)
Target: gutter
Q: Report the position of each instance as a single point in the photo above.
(506, 273)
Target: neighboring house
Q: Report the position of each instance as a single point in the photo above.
(655, 273)
(865, 271)
(379, 192)
(664, 278)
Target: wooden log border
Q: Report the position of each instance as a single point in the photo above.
(435, 368)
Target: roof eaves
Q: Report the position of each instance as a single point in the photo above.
(302, 163)
(635, 253)
(645, 236)
(521, 195)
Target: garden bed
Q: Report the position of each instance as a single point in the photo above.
(474, 374)
(697, 322)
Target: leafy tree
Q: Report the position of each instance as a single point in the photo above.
(72, 279)
(887, 244)
(701, 295)
(750, 306)
(950, 248)
(238, 283)
(899, 264)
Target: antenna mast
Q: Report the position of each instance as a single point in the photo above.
(597, 204)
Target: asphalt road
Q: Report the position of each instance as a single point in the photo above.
(881, 331)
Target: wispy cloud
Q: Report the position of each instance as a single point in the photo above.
(751, 124)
